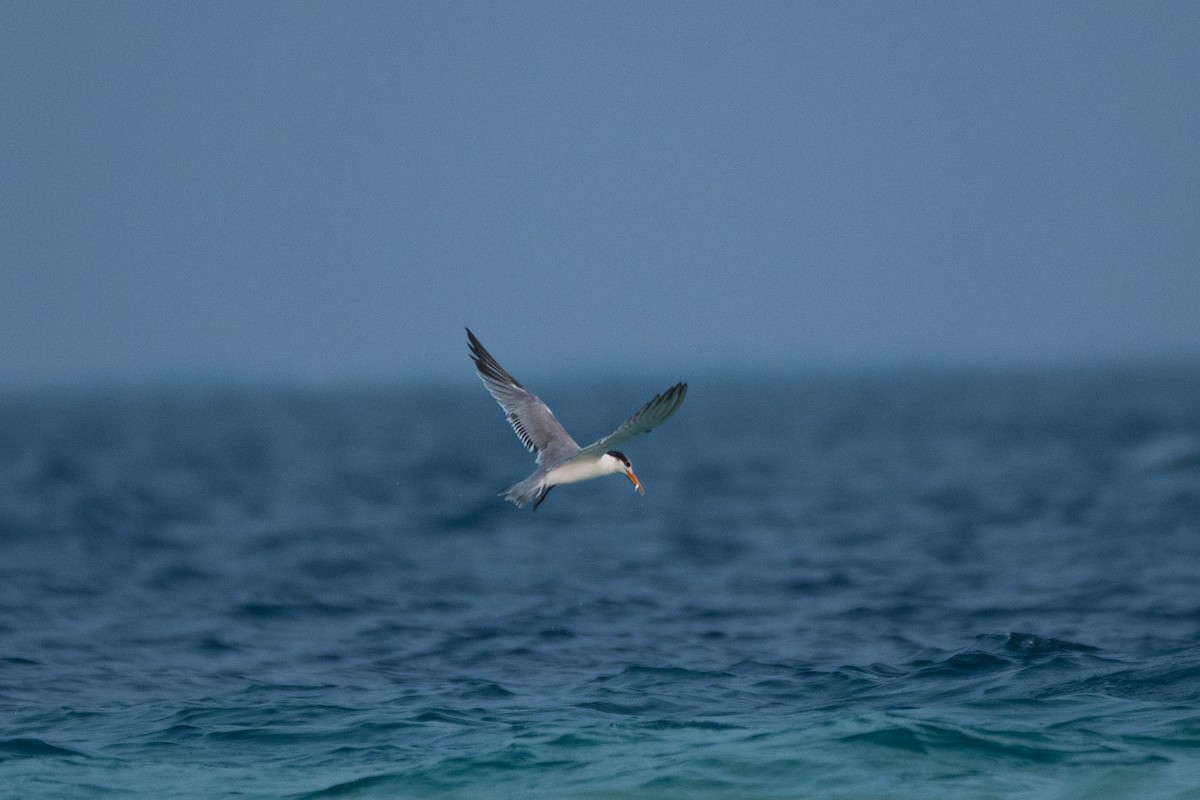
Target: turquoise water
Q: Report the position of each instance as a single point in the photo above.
(976, 585)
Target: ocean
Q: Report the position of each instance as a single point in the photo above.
(959, 584)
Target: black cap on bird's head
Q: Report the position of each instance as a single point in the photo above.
(628, 470)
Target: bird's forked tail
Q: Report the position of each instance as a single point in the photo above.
(531, 490)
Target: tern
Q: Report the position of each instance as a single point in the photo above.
(559, 458)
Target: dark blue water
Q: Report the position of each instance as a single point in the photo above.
(979, 585)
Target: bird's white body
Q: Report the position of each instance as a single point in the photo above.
(584, 469)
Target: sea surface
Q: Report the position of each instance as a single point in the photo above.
(910, 585)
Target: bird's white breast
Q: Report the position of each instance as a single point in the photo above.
(575, 471)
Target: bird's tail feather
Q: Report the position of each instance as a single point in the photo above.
(530, 490)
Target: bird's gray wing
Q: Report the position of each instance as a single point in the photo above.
(653, 414)
(530, 417)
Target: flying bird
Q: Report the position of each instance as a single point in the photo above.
(559, 458)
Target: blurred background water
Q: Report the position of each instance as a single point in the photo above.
(956, 584)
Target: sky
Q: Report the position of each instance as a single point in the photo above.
(329, 192)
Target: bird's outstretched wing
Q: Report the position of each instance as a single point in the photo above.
(530, 417)
(653, 414)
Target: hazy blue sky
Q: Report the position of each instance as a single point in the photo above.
(320, 191)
